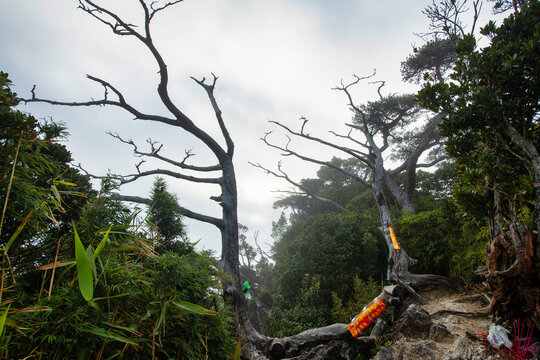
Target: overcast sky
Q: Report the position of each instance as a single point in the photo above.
(276, 60)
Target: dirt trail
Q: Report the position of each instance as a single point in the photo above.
(438, 300)
(450, 340)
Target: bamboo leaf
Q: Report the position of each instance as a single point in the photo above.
(193, 308)
(109, 335)
(3, 323)
(32, 310)
(17, 232)
(56, 265)
(102, 243)
(127, 248)
(65, 183)
(162, 315)
(110, 297)
(84, 269)
(131, 329)
(98, 310)
(56, 194)
(46, 210)
(90, 255)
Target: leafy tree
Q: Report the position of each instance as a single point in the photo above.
(379, 126)
(430, 237)
(493, 132)
(329, 249)
(166, 219)
(329, 184)
(37, 186)
(306, 313)
(505, 5)
(433, 59)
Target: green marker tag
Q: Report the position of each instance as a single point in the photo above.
(246, 287)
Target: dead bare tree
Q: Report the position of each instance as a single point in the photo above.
(380, 124)
(225, 178)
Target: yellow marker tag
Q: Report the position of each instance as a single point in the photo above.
(394, 240)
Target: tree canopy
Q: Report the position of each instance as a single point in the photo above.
(493, 131)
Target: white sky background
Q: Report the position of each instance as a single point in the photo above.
(276, 60)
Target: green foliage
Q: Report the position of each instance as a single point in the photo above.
(380, 116)
(142, 304)
(333, 247)
(46, 194)
(434, 188)
(306, 313)
(443, 241)
(165, 216)
(492, 127)
(329, 249)
(330, 184)
(501, 6)
(84, 268)
(134, 303)
(493, 90)
(433, 59)
(364, 292)
(428, 237)
(470, 253)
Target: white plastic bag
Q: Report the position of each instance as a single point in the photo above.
(498, 336)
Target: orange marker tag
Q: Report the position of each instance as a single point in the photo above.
(394, 240)
(353, 330)
(362, 320)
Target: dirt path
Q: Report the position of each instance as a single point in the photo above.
(447, 339)
(439, 300)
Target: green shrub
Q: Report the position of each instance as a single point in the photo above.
(143, 306)
(364, 292)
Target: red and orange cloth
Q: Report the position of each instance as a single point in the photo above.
(362, 320)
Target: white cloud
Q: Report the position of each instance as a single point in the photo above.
(277, 60)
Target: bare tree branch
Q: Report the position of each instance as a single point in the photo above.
(228, 199)
(349, 137)
(429, 138)
(185, 212)
(121, 102)
(432, 163)
(126, 179)
(352, 152)
(382, 83)
(210, 91)
(282, 175)
(446, 18)
(345, 88)
(162, 7)
(154, 153)
(261, 251)
(288, 152)
(119, 27)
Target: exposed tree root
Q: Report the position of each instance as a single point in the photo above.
(480, 313)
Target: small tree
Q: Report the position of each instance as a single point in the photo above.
(164, 214)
